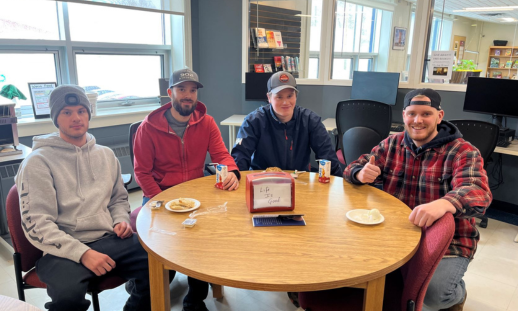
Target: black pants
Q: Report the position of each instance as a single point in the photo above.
(67, 281)
(198, 290)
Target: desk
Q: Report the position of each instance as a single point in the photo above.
(512, 149)
(236, 120)
(330, 252)
(11, 304)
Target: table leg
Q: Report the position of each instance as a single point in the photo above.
(159, 285)
(373, 297)
(230, 137)
(217, 291)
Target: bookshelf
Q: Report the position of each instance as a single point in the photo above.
(502, 62)
(288, 22)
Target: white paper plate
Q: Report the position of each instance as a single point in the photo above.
(168, 206)
(360, 216)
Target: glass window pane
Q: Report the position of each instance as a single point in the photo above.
(19, 69)
(299, 23)
(365, 32)
(342, 69)
(365, 65)
(105, 24)
(119, 77)
(23, 19)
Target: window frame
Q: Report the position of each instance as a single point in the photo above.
(65, 51)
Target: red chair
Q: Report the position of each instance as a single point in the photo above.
(25, 257)
(404, 288)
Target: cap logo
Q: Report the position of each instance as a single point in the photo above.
(186, 75)
(284, 78)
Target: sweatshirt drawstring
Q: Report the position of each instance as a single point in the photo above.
(78, 190)
(90, 163)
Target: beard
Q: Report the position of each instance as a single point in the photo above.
(184, 111)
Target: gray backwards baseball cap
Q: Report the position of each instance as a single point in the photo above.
(435, 98)
(281, 80)
(67, 95)
(184, 75)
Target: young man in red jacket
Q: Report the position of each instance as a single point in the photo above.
(434, 171)
(170, 148)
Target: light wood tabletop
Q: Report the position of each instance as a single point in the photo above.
(12, 304)
(329, 252)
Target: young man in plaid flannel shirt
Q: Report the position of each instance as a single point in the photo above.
(434, 171)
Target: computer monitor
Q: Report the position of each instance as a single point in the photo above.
(378, 86)
(255, 85)
(492, 96)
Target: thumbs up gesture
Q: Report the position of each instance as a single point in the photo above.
(369, 172)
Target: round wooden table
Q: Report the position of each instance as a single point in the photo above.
(329, 252)
(12, 304)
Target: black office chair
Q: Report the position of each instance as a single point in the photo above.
(361, 124)
(484, 136)
(132, 131)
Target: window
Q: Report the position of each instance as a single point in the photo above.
(363, 38)
(112, 78)
(118, 53)
(469, 31)
(19, 69)
(24, 19)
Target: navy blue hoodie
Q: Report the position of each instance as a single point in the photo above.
(263, 141)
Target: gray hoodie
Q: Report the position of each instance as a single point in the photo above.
(70, 195)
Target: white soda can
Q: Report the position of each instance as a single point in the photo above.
(324, 171)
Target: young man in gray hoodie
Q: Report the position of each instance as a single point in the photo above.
(75, 209)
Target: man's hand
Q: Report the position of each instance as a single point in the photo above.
(96, 262)
(123, 230)
(425, 215)
(369, 172)
(231, 182)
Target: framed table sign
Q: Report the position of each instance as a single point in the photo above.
(269, 192)
(40, 93)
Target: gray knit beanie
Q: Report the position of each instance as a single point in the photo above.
(67, 95)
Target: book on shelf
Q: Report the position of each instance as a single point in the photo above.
(494, 62)
(259, 68)
(516, 52)
(496, 74)
(508, 52)
(278, 63)
(497, 52)
(278, 39)
(508, 64)
(260, 34)
(502, 65)
(515, 65)
(270, 37)
(267, 67)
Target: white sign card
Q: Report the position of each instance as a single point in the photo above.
(441, 65)
(268, 192)
(40, 93)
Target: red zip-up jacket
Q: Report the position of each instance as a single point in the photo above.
(162, 159)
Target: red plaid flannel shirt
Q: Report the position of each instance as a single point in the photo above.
(453, 171)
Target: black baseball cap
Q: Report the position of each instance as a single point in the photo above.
(435, 98)
(184, 75)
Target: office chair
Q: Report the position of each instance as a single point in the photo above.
(361, 125)
(405, 288)
(25, 257)
(484, 136)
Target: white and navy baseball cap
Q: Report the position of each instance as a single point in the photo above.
(184, 75)
(281, 80)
